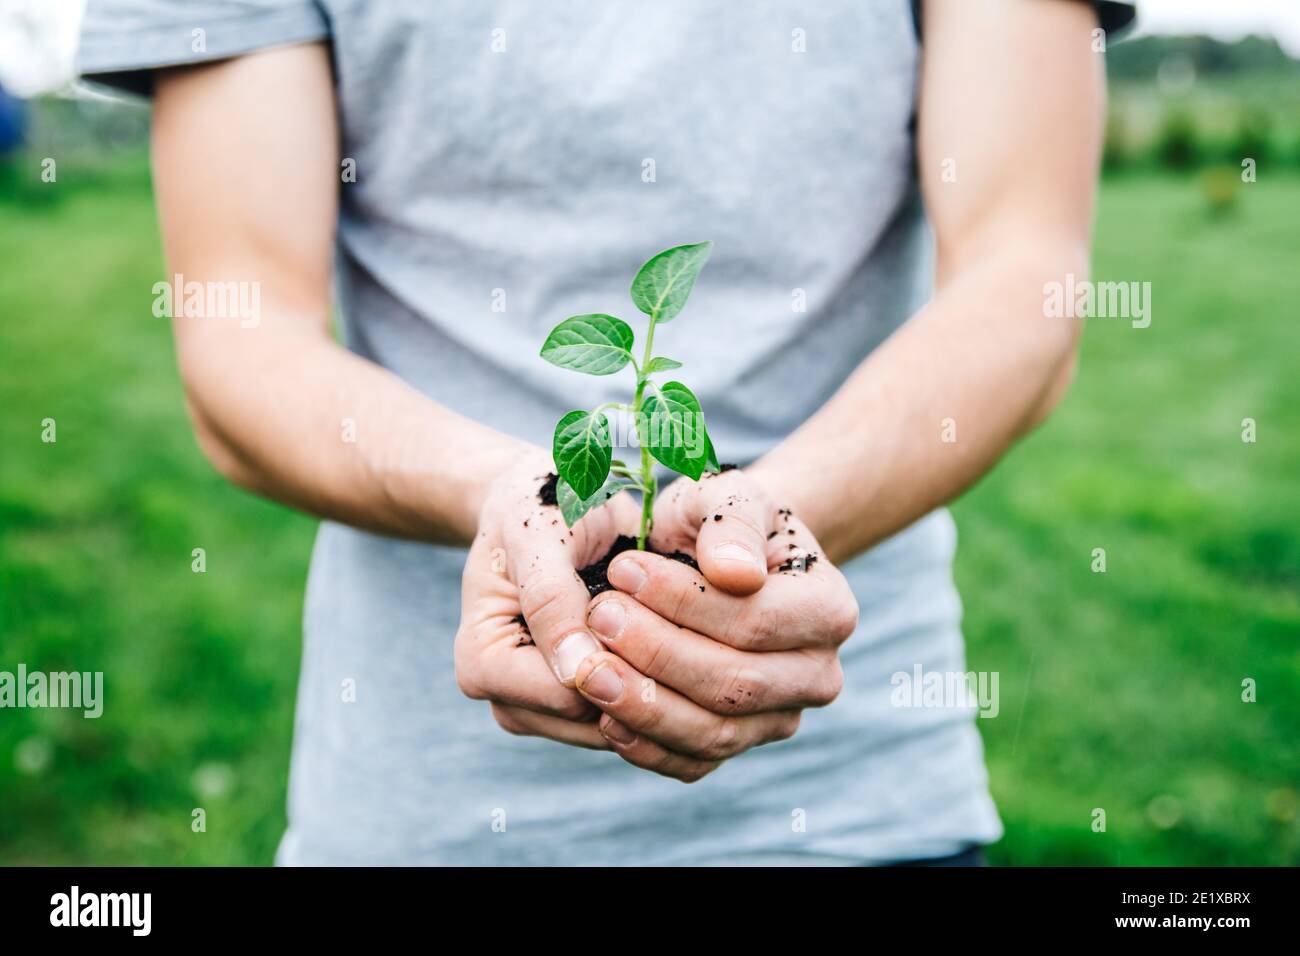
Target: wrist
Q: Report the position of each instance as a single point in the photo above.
(772, 478)
(501, 470)
(803, 491)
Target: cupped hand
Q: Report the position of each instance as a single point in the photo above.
(703, 665)
(523, 628)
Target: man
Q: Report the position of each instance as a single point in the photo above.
(470, 173)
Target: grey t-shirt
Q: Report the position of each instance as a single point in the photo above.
(531, 155)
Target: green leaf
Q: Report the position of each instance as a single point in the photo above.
(573, 508)
(660, 364)
(596, 344)
(710, 456)
(662, 285)
(672, 428)
(582, 451)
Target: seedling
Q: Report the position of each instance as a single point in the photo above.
(669, 423)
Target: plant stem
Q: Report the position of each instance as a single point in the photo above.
(649, 485)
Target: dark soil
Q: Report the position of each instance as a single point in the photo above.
(525, 639)
(595, 576)
(546, 493)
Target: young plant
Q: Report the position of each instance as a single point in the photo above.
(669, 423)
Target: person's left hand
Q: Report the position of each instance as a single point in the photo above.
(703, 665)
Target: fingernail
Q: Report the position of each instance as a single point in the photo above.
(604, 684)
(571, 652)
(731, 551)
(608, 619)
(618, 732)
(626, 575)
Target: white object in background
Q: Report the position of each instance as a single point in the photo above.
(38, 44)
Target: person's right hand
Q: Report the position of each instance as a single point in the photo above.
(524, 561)
(701, 665)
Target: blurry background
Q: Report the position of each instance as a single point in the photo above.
(1119, 690)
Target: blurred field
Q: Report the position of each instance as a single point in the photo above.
(1123, 690)
(1119, 690)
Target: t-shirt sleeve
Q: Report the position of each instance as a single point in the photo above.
(1115, 15)
(124, 41)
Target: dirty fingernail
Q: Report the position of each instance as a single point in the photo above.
(618, 732)
(608, 619)
(571, 652)
(626, 575)
(603, 684)
(731, 551)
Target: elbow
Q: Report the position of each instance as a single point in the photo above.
(1017, 291)
(1059, 381)
(1045, 271)
(209, 402)
(1017, 275)
(1059, 358)
(1068, 268)
(216, 448)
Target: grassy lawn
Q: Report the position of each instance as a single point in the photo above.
(1120, 691)
(96, 536)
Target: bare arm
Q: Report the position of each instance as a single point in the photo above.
(246, 169)
(1013, 94)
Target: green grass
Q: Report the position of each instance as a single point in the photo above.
(96, 536)
(1124, 687)
(1117, 689)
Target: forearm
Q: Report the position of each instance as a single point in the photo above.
(316, 427)
(279, 407)
(934, 407)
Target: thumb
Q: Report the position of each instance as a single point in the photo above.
(554, 603)
(734, 518)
